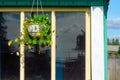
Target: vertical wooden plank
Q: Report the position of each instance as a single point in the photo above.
(87, 47)
(53, 47)
(119, 68)
(22, 54)
(110, 67)
(108, 70)
(116, 68)
(113, 69)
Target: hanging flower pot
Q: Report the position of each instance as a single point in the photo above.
(33, 30)
(37, 30)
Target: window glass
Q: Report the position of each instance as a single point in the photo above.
(38, 60)
(70, 51)
(9, 58)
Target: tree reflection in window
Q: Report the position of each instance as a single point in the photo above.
(9, 28)
(70, 51)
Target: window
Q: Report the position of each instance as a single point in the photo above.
(70, 49)
(9, 28)
(38, 64)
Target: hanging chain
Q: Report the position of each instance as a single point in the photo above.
(41, 7)
(37, 6)
(32, 7)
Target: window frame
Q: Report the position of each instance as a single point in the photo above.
(53, 11)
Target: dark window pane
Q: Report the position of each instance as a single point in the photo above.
(9, 29)
(38, 64)
(70, 56)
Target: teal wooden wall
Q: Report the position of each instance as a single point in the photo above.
(54, 2)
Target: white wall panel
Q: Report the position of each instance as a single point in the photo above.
(97, 42)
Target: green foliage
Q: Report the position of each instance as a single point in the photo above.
(41, 19)
(44, 34)
(113, 42)
(109, 54)
(117, 54)
(119, 50)
(108, 41)
(116, 42)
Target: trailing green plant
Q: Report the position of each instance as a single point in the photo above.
(42, 37)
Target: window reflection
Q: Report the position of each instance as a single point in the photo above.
(70, 56)
(9, 29)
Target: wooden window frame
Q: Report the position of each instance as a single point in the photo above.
(53, 11)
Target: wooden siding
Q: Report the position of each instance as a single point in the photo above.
(114, 68)
(55, 2)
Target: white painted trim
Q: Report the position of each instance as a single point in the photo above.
(53, 47)
(87, 47)
(97, 42)
(22, 52)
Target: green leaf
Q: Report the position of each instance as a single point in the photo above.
(34, 16)
(9, 42)
(29, 41)
(34, 41)
(16, 40)
(48, 37)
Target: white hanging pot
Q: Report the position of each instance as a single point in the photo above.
(33, 29)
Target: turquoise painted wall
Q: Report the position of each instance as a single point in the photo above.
(105, 44)
(54, 2)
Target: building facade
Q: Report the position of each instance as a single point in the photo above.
(79, 40)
